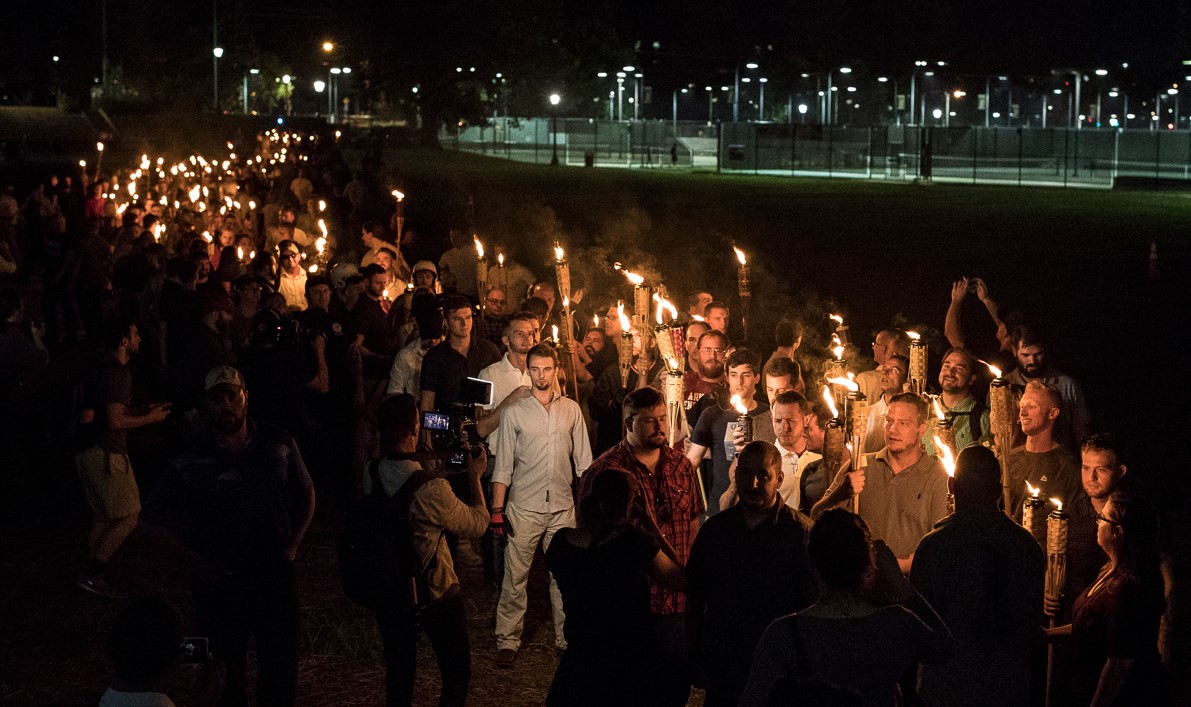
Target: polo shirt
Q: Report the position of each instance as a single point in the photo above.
(902, 508)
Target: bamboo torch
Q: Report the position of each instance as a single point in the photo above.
(1033, 513)
(1001, 417)
(662, 331)
(742, 290)
(481, 269)
(1056, 574)
(944, 428)
(833, 436)
(859, 429)
(948, 462)
(624, 345)
(917, 363)
(836, 369)
(841, 329)
(562, 271)
(399, 215)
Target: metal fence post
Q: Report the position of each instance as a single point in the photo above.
(869, 156)
(1066, 145)
(536, 125)
(1157, 156)
(756, 149)
(975, 138)
(830, 148)
(793, 146)
(1020, 132)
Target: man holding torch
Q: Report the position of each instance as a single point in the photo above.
(1041, 461)
(969, 417)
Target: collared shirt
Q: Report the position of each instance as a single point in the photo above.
(434, 510)
(874, 438)
(960, 416)
(671, 495)
(901, 508)
(1074, 420)
(535, 449)
(793, 464)
(406, 374)
(444, 368)
(293, 289)
(505, 378)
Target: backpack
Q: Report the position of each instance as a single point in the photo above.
(77, 420)
(377, 557)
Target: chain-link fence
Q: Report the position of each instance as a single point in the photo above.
(1025, 156)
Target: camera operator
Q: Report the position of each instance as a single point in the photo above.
(434, 511)
(461, 356)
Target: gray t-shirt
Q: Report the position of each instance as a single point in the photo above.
(714, 431)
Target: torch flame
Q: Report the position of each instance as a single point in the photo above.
(993, 369)
(322, 226)
(1058, 504)
(384, 294)
(479, 246)
(566, 302)
(845, 382)
(207, 236)
(595, 321)
(837, 318)
(554, 331)
(914, 335)
(252, 255)
(322, 205)
(1034, 490)
(398, 195)
(739, 405)
(633, 278)
(240, 253)
(830, 400)
(739, 255)
(625, 324)
(838, 351)
(945, 456)
(121, 209)
(500, 258)
(320, 245)
(313, 268)
(939, 410)
(697, 318)
(665, 304)
(132, 188)
(672, 363)
(559, 255)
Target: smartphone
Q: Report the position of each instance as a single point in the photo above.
(475, 391)
(437, 421)
(195, 650)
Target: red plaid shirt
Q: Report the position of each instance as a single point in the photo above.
(671, 494)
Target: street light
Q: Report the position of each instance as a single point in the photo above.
(555, 99)
(761, 107)
(319, 86)
(217, 53)
(328, 47)
(244, 95)
(710, 99)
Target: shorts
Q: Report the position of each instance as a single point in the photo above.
(108, 483)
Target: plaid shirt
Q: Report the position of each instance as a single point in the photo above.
(671, 495)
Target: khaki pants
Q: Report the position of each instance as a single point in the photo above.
(108, 483)
(529, 528)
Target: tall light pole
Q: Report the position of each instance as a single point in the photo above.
(555, 99)
(674, 108)
(620, 75)
(710, 99)
(332, 109)
(761, 106)
(244, 95)
(217, 55)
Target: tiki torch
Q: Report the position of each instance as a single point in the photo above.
(641, 297)
(944, 427)
(1056, 574)
(836, 369)
(744, 423)
(948, 462)
(624, 345)
(742, 290)
(1001, 417)
(1033, 513)
(399, 215)
(833, 435)
(841, 330)
(662, 330)
(917, 363)
(481, 268)
(858, 413)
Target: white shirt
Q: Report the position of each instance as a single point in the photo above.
(793, 465)
(293, 289)
(874, 438)
(535, 449)
(505, 378)
(406, 374)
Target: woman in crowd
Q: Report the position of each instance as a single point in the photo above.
(852, 637)
(602, 568)
(1115, 625)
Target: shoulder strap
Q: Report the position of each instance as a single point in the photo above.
(802, 662)
(974, 420)
(374, 475)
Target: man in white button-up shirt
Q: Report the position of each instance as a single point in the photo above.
(540, 446)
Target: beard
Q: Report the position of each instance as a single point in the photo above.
(228, 423)
(1032, 371)
(543, 385)
(713, 370)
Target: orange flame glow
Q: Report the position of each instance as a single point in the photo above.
(739, 405)
(945, 457)
(739, 255)
(830, 400)
(1034, 490)
(479, 246)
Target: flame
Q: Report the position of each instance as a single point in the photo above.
(830, 400)
(320, 245)
(322, 205)
(207, 236)
(739, 255)
(838, 319)
(251, 204)
(1058, 504)
(939, 410)
(915, 336)
(672, 363)
(1034, 490)
(313, 268)
(240, 253)
(132, 188)
(625, 324)
(252, 255)
(157, 228)
(566, 302)
(634, 278)
(398, 195)
(595, 321)
(559, 255)
(664, 304)
(384, 294)
(993, 369)
(945, 456)
(120, 210)
(554, 331)
(479, 246)
(322, 226)
(698, 318)
(739, 405)
(838, 351)
(844, 382)
(500, 259)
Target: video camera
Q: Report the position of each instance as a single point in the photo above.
(454, 431)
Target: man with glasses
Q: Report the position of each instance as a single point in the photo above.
(493, 316)
(893, 381)
(669, 493)
(887, 342)
(291, 281)
(706, 377)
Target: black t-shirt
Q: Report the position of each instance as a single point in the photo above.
(444, 368)
(713, 431)
(370, 319)
(339, 332)
(113, 384)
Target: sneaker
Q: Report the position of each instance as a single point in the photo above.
(505, 657)
(98, 585)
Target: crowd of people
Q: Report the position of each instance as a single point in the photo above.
(255, 321)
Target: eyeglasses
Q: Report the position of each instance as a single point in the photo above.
(1101, 519)
(495, 301)
(717, 352)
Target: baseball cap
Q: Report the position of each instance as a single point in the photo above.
(425, 265)
(223, 375)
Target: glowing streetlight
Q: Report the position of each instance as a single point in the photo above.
(328, 47)
(555, 99)
(320, 86)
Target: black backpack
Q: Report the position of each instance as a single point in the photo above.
(77, 421)
(376, 553)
